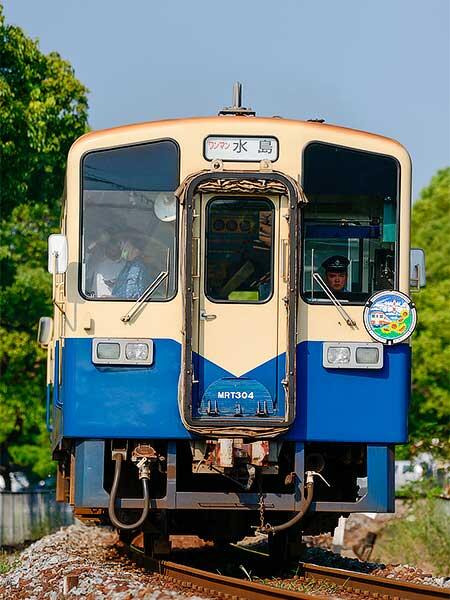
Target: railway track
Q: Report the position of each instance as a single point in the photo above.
(377, 587)
(343, 584)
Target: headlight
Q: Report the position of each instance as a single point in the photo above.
(352, 355)
(108, 351)
(339, 355)
(124, 352)
(136, 351)
(367, 356)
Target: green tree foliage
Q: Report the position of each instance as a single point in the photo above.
(430, 410)
(43, 109)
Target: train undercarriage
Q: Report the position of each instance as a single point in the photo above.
(220, 490)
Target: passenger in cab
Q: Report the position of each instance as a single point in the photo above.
(133, 278)
(108, 270)
(336, 273)
(95, 254)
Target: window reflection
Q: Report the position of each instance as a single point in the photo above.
(126, 246)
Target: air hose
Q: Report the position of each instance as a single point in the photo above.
(306, 503)
(144, 475)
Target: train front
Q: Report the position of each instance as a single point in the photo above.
(229, 351)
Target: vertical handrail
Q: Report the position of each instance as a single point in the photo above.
(47, 408)
(292, 301)
(188, 295)
(56, 401)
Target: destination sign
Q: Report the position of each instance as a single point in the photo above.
(242, 149)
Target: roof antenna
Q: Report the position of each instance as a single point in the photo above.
(237, 94)
(237, 108)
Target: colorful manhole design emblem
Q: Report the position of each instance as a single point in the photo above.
(390, 317)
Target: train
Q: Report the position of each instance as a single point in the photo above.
(229, 351)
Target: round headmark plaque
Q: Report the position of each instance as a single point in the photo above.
(390, 317)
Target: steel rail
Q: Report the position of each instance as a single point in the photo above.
(203, 582)
(352, 581)
(348, 581)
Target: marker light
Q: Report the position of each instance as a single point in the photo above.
(136, 351)
(339, 355)
(108, 351)
(367, 356)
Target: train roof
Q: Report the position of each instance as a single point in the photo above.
(215, 125)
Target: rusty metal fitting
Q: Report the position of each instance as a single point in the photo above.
(144, 456)
(144, 451)
(144, 466)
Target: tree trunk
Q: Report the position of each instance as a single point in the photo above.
(5, 466)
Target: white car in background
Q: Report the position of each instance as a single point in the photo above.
(407, 471)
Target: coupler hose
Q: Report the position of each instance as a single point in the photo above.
(309, 491)
(144, 475)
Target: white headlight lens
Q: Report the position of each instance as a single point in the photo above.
(136, 351)
(367, 356)
(108, 351)
(338, 355)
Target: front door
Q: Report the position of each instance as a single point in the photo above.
(239, 317)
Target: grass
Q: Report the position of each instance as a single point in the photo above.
(421, 538)
(7, 561)
(307, 586)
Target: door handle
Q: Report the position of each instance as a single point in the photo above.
(205, 317)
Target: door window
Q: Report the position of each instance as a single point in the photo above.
(239, 250)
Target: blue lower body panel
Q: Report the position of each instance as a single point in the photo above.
(333, 405)
(352, 405)
(121, 402)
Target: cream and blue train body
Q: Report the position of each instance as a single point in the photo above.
(224, 369)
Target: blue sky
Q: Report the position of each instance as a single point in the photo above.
(381, 66)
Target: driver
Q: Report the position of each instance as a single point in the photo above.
(336, 273)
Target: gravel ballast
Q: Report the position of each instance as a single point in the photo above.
(87, 558)
(85, 562)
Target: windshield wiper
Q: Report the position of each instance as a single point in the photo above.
(145, 296)
(344, 314)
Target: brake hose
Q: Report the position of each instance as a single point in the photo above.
(306, 503)
(144, 476)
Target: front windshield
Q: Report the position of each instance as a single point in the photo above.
(129, 221)
(350, 223)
